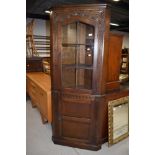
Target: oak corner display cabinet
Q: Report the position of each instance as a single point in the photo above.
(79, 56)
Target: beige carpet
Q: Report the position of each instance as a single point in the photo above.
(39, 141)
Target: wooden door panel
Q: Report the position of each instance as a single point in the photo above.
(76, 109)
(75, 129)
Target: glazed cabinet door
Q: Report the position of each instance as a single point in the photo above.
(76, 70)
(75, 106)
(77, 50)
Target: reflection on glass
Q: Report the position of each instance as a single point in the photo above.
(69, 33)
(84, 79)
(120, 120)
(68, 77)
(68, 55)
(77, 53)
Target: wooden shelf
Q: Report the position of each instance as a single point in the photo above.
(80, 66)
(124, 54)
(71, 44)
(125, 64)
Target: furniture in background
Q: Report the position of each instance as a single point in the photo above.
(124, 70)
(114, 58)
(34, 64)
(38, 64)
(38, 86)
(30, 46)
(42, 45)
(125, 61)
(36, 45)
(46, 65)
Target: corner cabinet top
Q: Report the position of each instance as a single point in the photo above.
(88, 6)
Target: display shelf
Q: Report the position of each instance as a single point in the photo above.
(74, 45)
(125, 61)
(79, 66)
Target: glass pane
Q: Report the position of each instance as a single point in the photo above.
(68, 55)
(77, 55)
(68, 77)
(69, 33)
(84, 78)
(85, 34)
(90, 35)
(86, 43)
(85, 55)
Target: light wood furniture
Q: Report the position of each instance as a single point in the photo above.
(38, 85)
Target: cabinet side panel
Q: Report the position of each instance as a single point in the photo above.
(114, 60)
(115, 47)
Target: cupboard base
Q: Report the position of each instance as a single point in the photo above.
(76, 144)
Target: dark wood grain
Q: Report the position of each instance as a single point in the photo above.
(80, 115)
(114, 61)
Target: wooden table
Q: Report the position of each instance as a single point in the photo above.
(38, 86)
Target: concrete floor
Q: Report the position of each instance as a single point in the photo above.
(38, 139)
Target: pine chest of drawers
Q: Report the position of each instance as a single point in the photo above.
(38, 86)
(34, 64)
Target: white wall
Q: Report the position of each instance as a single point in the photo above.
(125, 40)
(41, 27)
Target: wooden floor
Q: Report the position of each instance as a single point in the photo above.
(39, 141)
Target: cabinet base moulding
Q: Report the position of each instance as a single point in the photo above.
(76, 144)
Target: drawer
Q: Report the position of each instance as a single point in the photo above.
(32, 85)
(41, 98)
(33, 94)
(43, 102)
(33, 91)
(34, 66)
